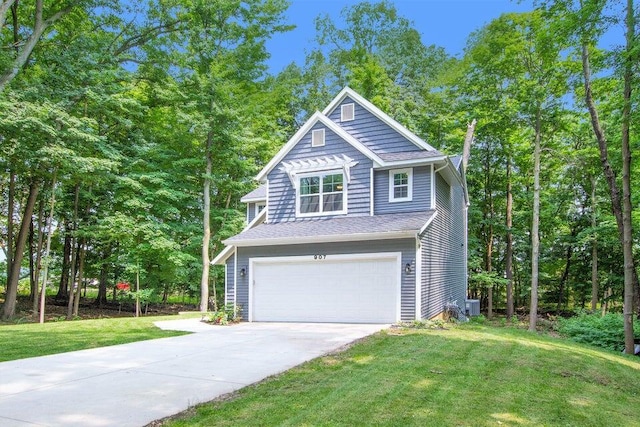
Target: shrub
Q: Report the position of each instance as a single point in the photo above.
(601, 331)
(226, 315)
(422, 324)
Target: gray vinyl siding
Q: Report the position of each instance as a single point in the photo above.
(421, 192)
(372, 131)
(406, 246)
(443, 251)
(282, 195)
(229, 288)
(251, 212)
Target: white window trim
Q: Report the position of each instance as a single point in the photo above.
(409, 172)
(343, 108)
(322, 174)
(317, 141)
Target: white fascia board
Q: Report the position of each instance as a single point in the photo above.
(379, 114)
(327, 239)
(317, 117)
(463, 178)
(226, 252)
(288, 146)
(223, 256)
(253, 200)
(455, 171)
(257, 220)
(426, 224)
(410, 163)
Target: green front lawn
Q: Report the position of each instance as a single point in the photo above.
(470, 375)
(34, 339)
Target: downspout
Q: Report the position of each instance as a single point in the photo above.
(418, 273)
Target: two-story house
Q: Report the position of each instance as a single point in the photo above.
(356, 220)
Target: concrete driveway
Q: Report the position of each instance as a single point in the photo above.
(134, 384)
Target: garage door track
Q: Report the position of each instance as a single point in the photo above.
(134, 384)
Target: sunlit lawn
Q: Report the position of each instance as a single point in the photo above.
(33, 339)
(473, 375)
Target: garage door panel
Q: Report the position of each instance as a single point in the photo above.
(342, 290)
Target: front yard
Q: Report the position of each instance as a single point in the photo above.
(18, 341)
(471, 375)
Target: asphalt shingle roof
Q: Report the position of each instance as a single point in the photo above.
(334, 229)
(259, 193)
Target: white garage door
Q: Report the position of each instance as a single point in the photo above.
(326, 288)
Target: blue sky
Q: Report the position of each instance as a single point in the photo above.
(445, 23)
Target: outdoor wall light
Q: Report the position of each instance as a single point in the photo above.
(243, 272)
(407, 268)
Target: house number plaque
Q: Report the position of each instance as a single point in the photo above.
(318, 256)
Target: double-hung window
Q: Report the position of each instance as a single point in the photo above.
(322, 193)
(400, 185)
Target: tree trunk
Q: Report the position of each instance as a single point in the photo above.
(81, 254)
(535, 225)
(38, 255)
(508, 261)
(138, 290)
(102, 286)
(33, 279)
(5, 5)
(9, 307)
(616, 202)
(488, 228)
(204, 282)
(74, 253)
(565, 276)
(614, 191)
(627, 226)
(63, 288)
(10, 226)
(74, 287)
(47, 251)
(594, 248)
(468, 140)
(39, 27)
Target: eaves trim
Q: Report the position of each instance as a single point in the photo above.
(325, 239)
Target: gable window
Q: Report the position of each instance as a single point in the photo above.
(321, 193)
(317, 138)
(259, 207)
(347, 112)
(400, 185)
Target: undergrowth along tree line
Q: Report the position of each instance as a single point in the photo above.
(148, 120)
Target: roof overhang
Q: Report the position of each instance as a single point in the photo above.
(408, 234)
(253, 199)
(410, 162)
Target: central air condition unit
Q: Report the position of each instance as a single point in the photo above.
(472, 307)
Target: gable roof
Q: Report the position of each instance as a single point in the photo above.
(348, 92)
(317, 117)
(341, 229)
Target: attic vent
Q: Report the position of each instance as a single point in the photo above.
(347, 112)
(317, 138)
